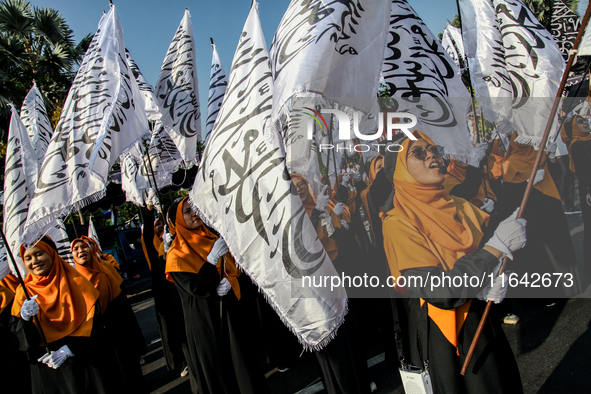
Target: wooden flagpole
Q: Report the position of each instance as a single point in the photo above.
(533, 174)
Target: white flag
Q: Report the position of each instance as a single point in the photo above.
(217, 88)
(324, 55)
(34, 117)
(243, 190)
(423, 80)
(177, 92)
(148, 96)
(92, 233)
(327, 48)
(484, 48)
(535, 66)
(103, 115)
(453, 44)
(19, 183)
(20, 173)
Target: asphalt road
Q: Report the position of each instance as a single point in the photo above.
(552, 346)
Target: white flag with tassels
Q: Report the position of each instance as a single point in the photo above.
(534, 65)
(177, 92)
(243, 190)
(423, 80)
(20, 173)
(35, 119)
(484, 48)
(217, 88)
(103, 115)
(325, 56)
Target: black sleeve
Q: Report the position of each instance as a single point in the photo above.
(475, 264)
(202, 284)
(581, 157)
(315, 217)
(29, 339)
(380, 189)
(359, 186)
(471, 185)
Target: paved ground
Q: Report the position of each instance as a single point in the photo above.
(552, 347)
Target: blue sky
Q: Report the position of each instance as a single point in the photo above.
(149, 26)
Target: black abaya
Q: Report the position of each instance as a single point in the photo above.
(222, 354)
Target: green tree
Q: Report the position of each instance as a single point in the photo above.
(36, 44)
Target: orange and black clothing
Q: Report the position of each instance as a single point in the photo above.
(430, 233)
(69, 314)
(579, 148)
(220, 362)
(549, 247)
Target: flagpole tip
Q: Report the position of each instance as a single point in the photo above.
(211, 39)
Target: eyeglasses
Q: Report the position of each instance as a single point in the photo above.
(581, 121)
(300, 185)
(421, 153)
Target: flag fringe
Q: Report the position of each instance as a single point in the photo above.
(321, 343)
(32, 231)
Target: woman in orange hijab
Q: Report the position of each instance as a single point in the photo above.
(578, 142)
(68, 310)
(427, 234)
(206, 275)
(549, 248)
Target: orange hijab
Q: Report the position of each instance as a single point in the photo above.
(576, 135)
(495, 161)
(8, 286)
(157, 240)
(66, 298)
(94, 247)
(329, 244)
(518, 163)
(456, 175)
(101, 274)
(189, 249)
(429, 228)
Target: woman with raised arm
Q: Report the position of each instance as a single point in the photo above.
(428, 234)
(223, 357)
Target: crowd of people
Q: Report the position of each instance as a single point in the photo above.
(409, 213)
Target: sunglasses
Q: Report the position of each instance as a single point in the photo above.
(421, 153)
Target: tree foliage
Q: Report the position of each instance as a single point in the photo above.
(36, 44)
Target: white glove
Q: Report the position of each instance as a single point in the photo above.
(219, 249)
(348, 170)
(167, 239)
(488, 205)
(338, 209)
(326, 221)
(509, 236)
(551, 149)
(539, 176)
(345, 180)
(479, 153)
(498, 291)
(56, 359)
(344, 224)
(356, 174)
(30, 308)
(223, 288)
(322, 200)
